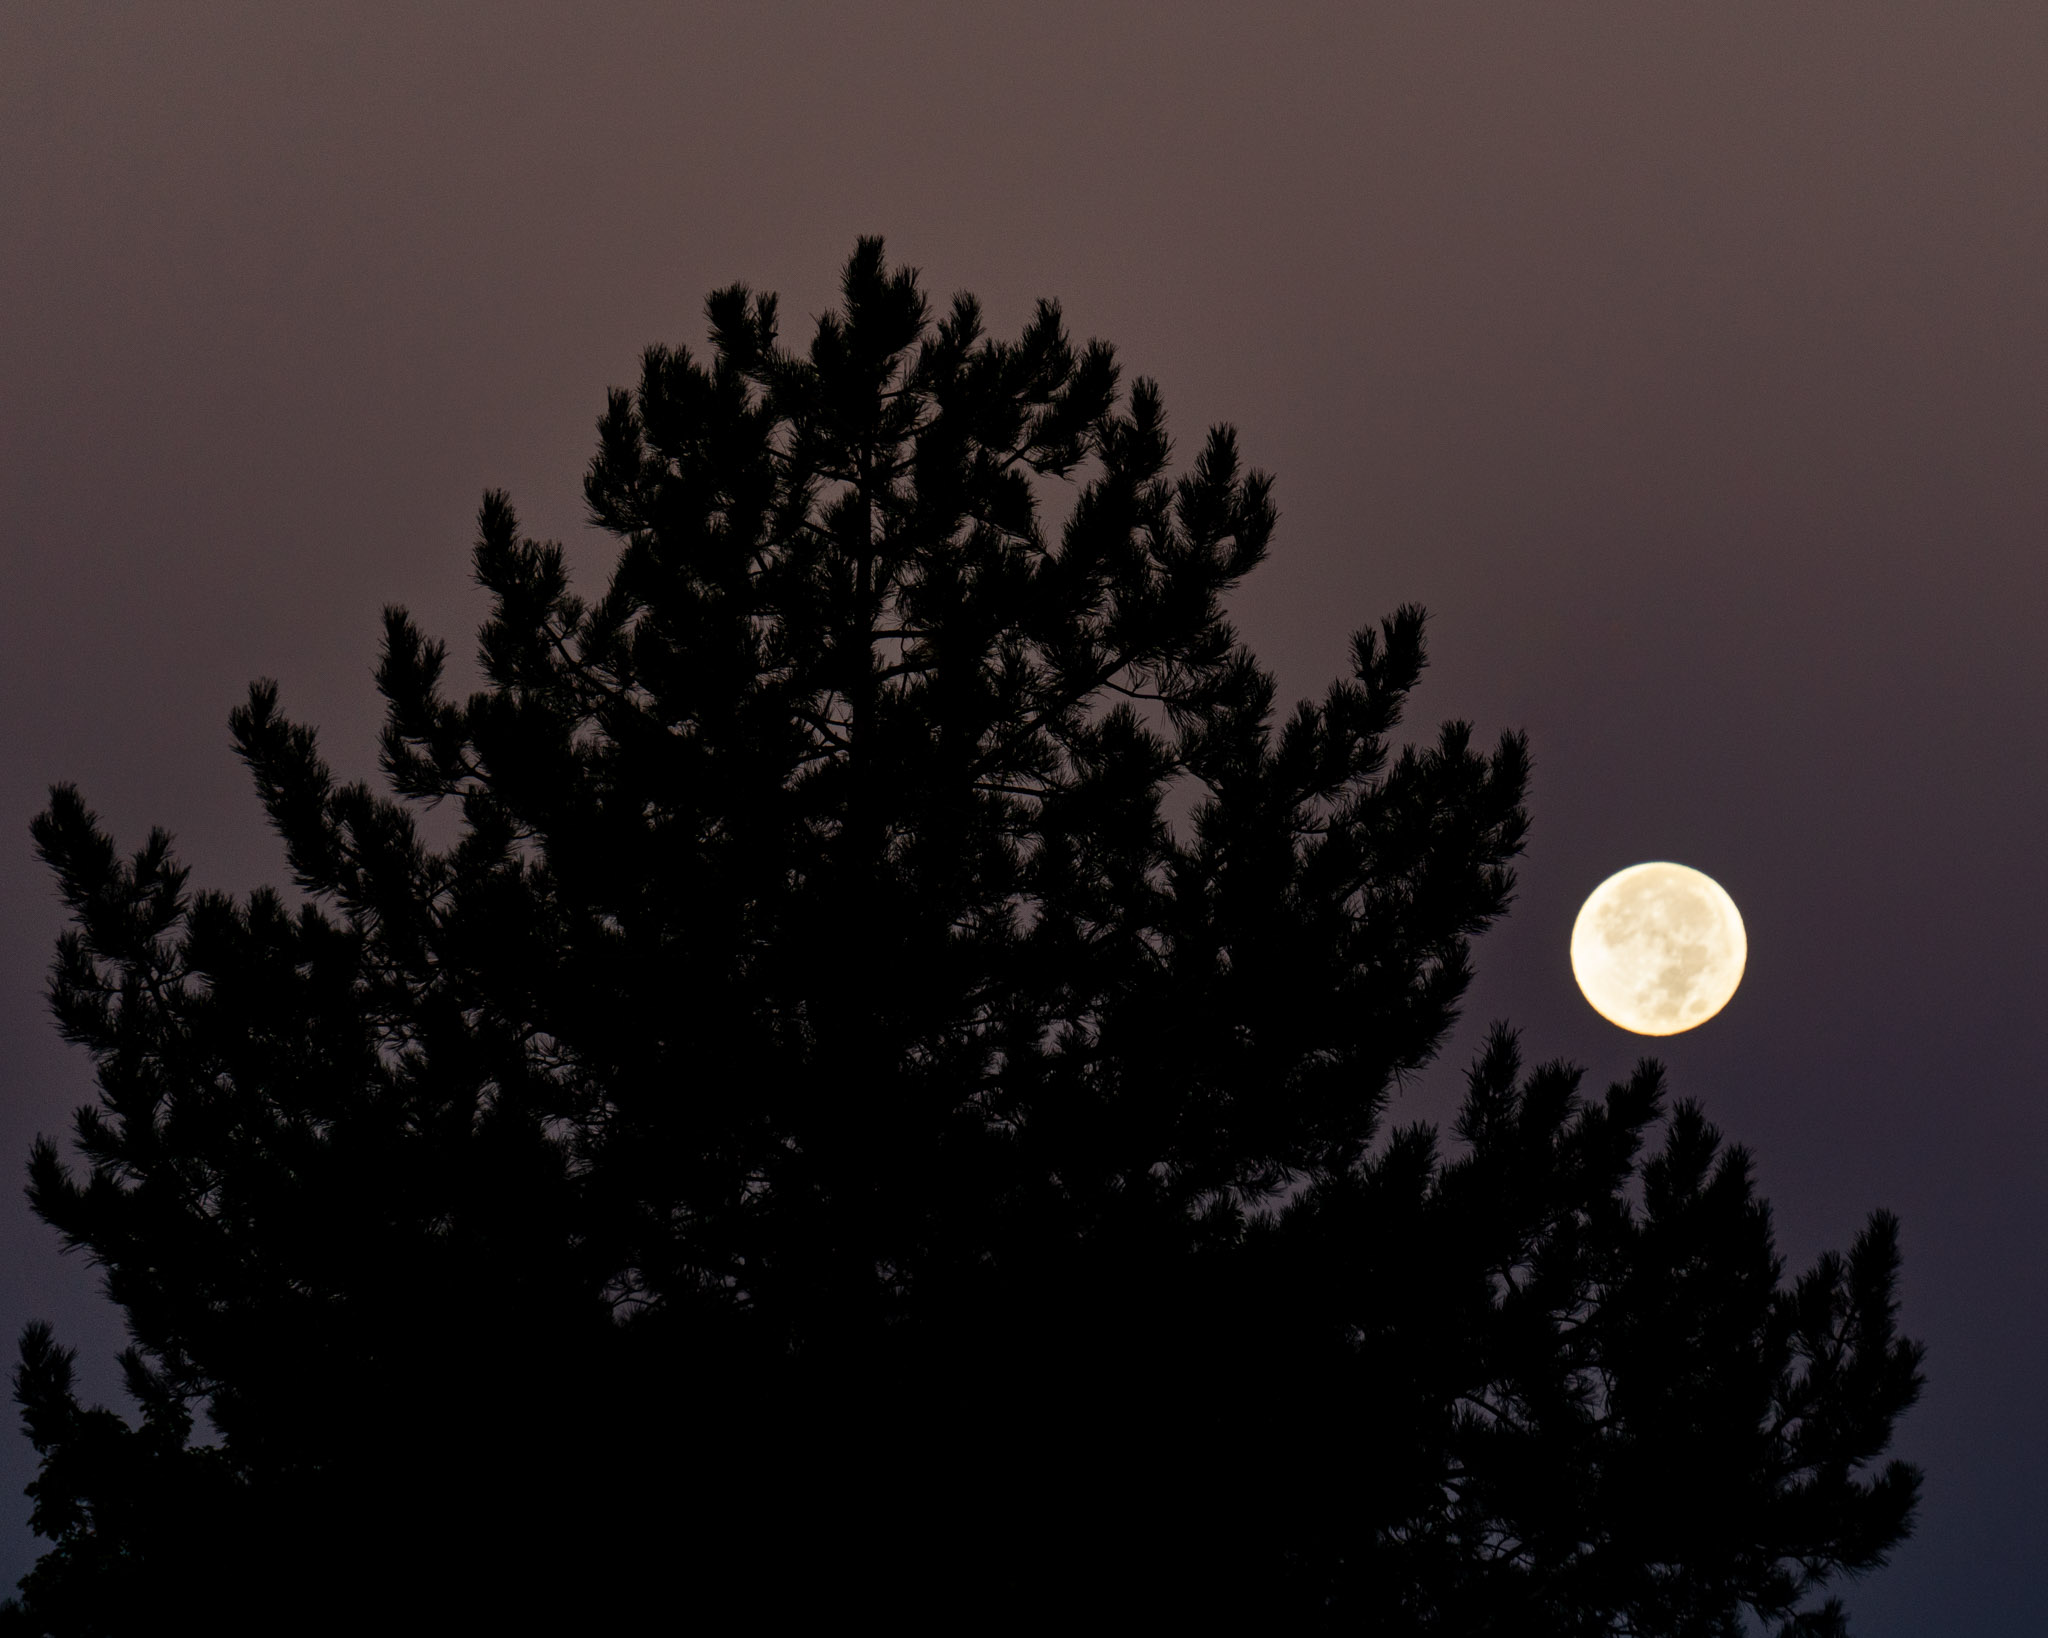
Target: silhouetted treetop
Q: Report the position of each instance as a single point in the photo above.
(881, 1106)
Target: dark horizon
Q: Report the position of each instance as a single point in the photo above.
(1688, 368)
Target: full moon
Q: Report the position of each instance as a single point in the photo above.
(1658, 948)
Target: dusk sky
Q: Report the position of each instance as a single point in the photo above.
(1689, 364)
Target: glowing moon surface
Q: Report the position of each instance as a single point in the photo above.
(1658, 948)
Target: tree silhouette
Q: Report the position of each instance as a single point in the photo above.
(825, 1140)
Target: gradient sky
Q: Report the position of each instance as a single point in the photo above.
(1690, 364)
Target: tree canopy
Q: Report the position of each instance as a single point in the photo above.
(884, 1105)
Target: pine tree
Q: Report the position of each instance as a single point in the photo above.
(826, 1137)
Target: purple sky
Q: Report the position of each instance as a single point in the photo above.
(1690, 364)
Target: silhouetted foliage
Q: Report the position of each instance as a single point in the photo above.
(823, 1139)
